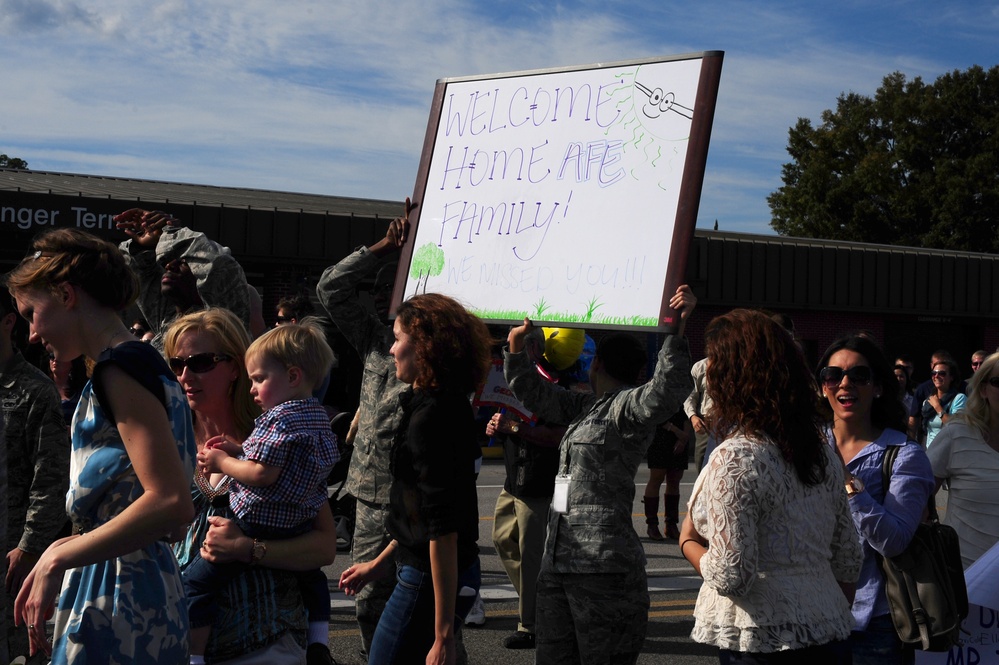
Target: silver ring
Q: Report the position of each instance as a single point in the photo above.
(31, 626)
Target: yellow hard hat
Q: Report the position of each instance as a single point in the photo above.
(563, 346)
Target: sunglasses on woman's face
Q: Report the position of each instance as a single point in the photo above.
(199, 363)
(941, 373)
(831, 377)
(993, 381)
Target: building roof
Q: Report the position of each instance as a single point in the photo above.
(850, 245)
(726, 269)
(151, 191)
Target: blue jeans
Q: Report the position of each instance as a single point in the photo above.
(880, 645)
(204, 581)
(405, 631)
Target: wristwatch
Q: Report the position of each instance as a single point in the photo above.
(854, 485)
(258, 551)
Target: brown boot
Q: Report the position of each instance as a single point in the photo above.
(671, 504)
(652, 517)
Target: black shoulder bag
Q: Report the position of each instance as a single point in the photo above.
(925, 583)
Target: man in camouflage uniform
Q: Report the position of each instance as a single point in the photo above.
(38, 450)
(593, 597)
(698, 409)
(199, 272)
(4, 653)
(369, 478)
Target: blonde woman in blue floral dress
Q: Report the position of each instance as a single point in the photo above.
(121, 599)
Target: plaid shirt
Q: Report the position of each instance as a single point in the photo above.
(295, 436)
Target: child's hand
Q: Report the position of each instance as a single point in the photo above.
(222, 442)
(210, 460)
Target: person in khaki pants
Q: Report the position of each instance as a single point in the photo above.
(521, 515)
(531, 456)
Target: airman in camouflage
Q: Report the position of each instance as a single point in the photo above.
(698, 410)
(4, 653)
(593, 597)
(158, 244)
(369, 479)
(38, 449)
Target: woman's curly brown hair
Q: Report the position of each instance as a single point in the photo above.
(760, 385)
(452, 346)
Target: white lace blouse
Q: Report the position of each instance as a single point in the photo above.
(777, 549)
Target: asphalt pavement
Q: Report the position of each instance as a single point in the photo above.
(673, 588)
(672, 585)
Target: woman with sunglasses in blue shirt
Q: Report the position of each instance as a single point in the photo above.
(866, 419)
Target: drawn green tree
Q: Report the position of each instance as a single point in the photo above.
(428, 261)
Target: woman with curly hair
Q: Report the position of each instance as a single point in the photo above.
(768, 525)
(443, 352)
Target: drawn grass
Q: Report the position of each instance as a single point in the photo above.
(568, 317)
(592, 307)
(540, 308)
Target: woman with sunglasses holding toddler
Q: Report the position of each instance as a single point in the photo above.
(866, 419)
(262, 612)
(966, 456)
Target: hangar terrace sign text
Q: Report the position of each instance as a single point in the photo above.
(40, 218)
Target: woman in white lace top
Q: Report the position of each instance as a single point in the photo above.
(768, 526)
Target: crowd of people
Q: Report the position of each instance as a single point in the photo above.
(167, 480)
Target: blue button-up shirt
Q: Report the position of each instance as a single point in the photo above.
(886, 521)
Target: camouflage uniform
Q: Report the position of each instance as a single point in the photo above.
(4, 654)
(698, 403)
(369, 479)
(593, 594)
(221, 281)
(38, 451)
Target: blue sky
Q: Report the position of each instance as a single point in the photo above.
(333, 97)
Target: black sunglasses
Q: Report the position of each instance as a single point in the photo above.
(860, 375)
(199, 363)
(282, 319)
(993, 381)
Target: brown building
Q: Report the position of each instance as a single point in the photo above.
(913, 300)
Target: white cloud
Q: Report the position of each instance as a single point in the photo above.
(333, 97)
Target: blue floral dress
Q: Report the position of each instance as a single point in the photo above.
(130, 609)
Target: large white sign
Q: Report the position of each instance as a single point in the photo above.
(556, 195)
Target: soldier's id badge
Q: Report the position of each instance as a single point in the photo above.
(560, 501)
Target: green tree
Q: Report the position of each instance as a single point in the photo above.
(915, 165)
(12, 162)
(428, 261)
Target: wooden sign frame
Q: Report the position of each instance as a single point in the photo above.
(546, 193)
